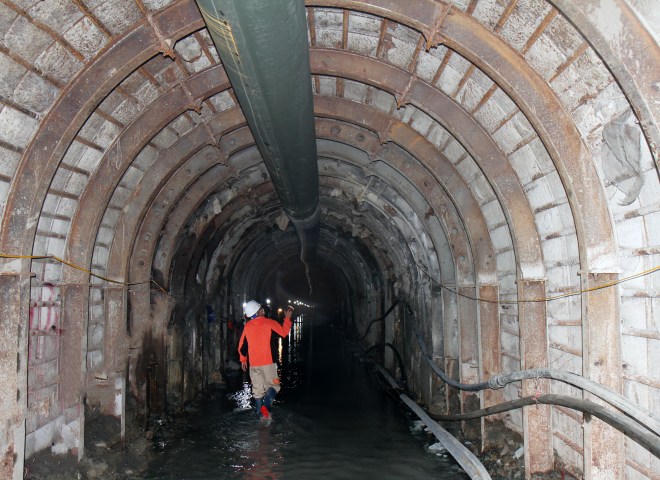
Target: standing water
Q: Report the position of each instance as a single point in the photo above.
(330, 421)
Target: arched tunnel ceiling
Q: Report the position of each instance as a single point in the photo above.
(486, 123)
(117, 130)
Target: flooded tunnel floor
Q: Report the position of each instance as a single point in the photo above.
(329, 421)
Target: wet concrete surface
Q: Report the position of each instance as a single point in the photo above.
(330, 421)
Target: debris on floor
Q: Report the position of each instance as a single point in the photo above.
(437, 448)
(503, 456)
(104, 458)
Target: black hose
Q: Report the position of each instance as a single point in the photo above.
(381, 318)
(484, 412)
(445, 378)
(644, 417)
(404, 377)
(616, 420)
(638, 432)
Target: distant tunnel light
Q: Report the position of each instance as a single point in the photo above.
(268, 300)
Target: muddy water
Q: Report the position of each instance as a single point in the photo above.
(330, 421)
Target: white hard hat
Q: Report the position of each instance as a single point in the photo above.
(251, 308)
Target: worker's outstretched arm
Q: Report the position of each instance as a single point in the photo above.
(283, 330)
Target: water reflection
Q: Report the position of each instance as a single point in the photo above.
(265, 458)
(330, 421)
(242, 397)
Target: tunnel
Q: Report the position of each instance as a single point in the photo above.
(489, 166)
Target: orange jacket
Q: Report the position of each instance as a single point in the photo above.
(257, 331)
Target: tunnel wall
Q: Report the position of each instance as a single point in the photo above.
(500, 151)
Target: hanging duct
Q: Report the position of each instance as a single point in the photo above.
(264, 50)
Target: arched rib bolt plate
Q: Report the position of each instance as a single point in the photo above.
(540, 104)
(260, 199)
(175, 224)
(463, 127)
(142, 255)
(444, 172)
(182, 267)
(153, 180)
(204, 181)
(176, 221)
(118, 158)
(390, 199)
(435, 194)
(331, 183)
(378, 224)
(214, 232)
(181, 179)
(56, 132)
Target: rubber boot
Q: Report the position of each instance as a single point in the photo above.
(268, 399)
(259, 405)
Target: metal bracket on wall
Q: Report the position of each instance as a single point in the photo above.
(165, 43)
(430, 35)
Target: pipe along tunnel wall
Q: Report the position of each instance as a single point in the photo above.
(471, 155)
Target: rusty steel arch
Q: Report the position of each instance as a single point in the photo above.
(42, 157)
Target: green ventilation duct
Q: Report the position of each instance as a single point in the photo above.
(264, 50)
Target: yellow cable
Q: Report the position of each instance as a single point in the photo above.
(38, 257)
(533, 300)
(163, 290)
(556, 297)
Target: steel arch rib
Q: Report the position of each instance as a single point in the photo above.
(42, 157)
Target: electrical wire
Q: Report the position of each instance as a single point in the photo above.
(465, 458)
(53, 257)
(633, 430)
(537, 300)
(642, 433)
(636, 432)
(382, 317)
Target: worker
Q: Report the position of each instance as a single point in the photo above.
(255, 344)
